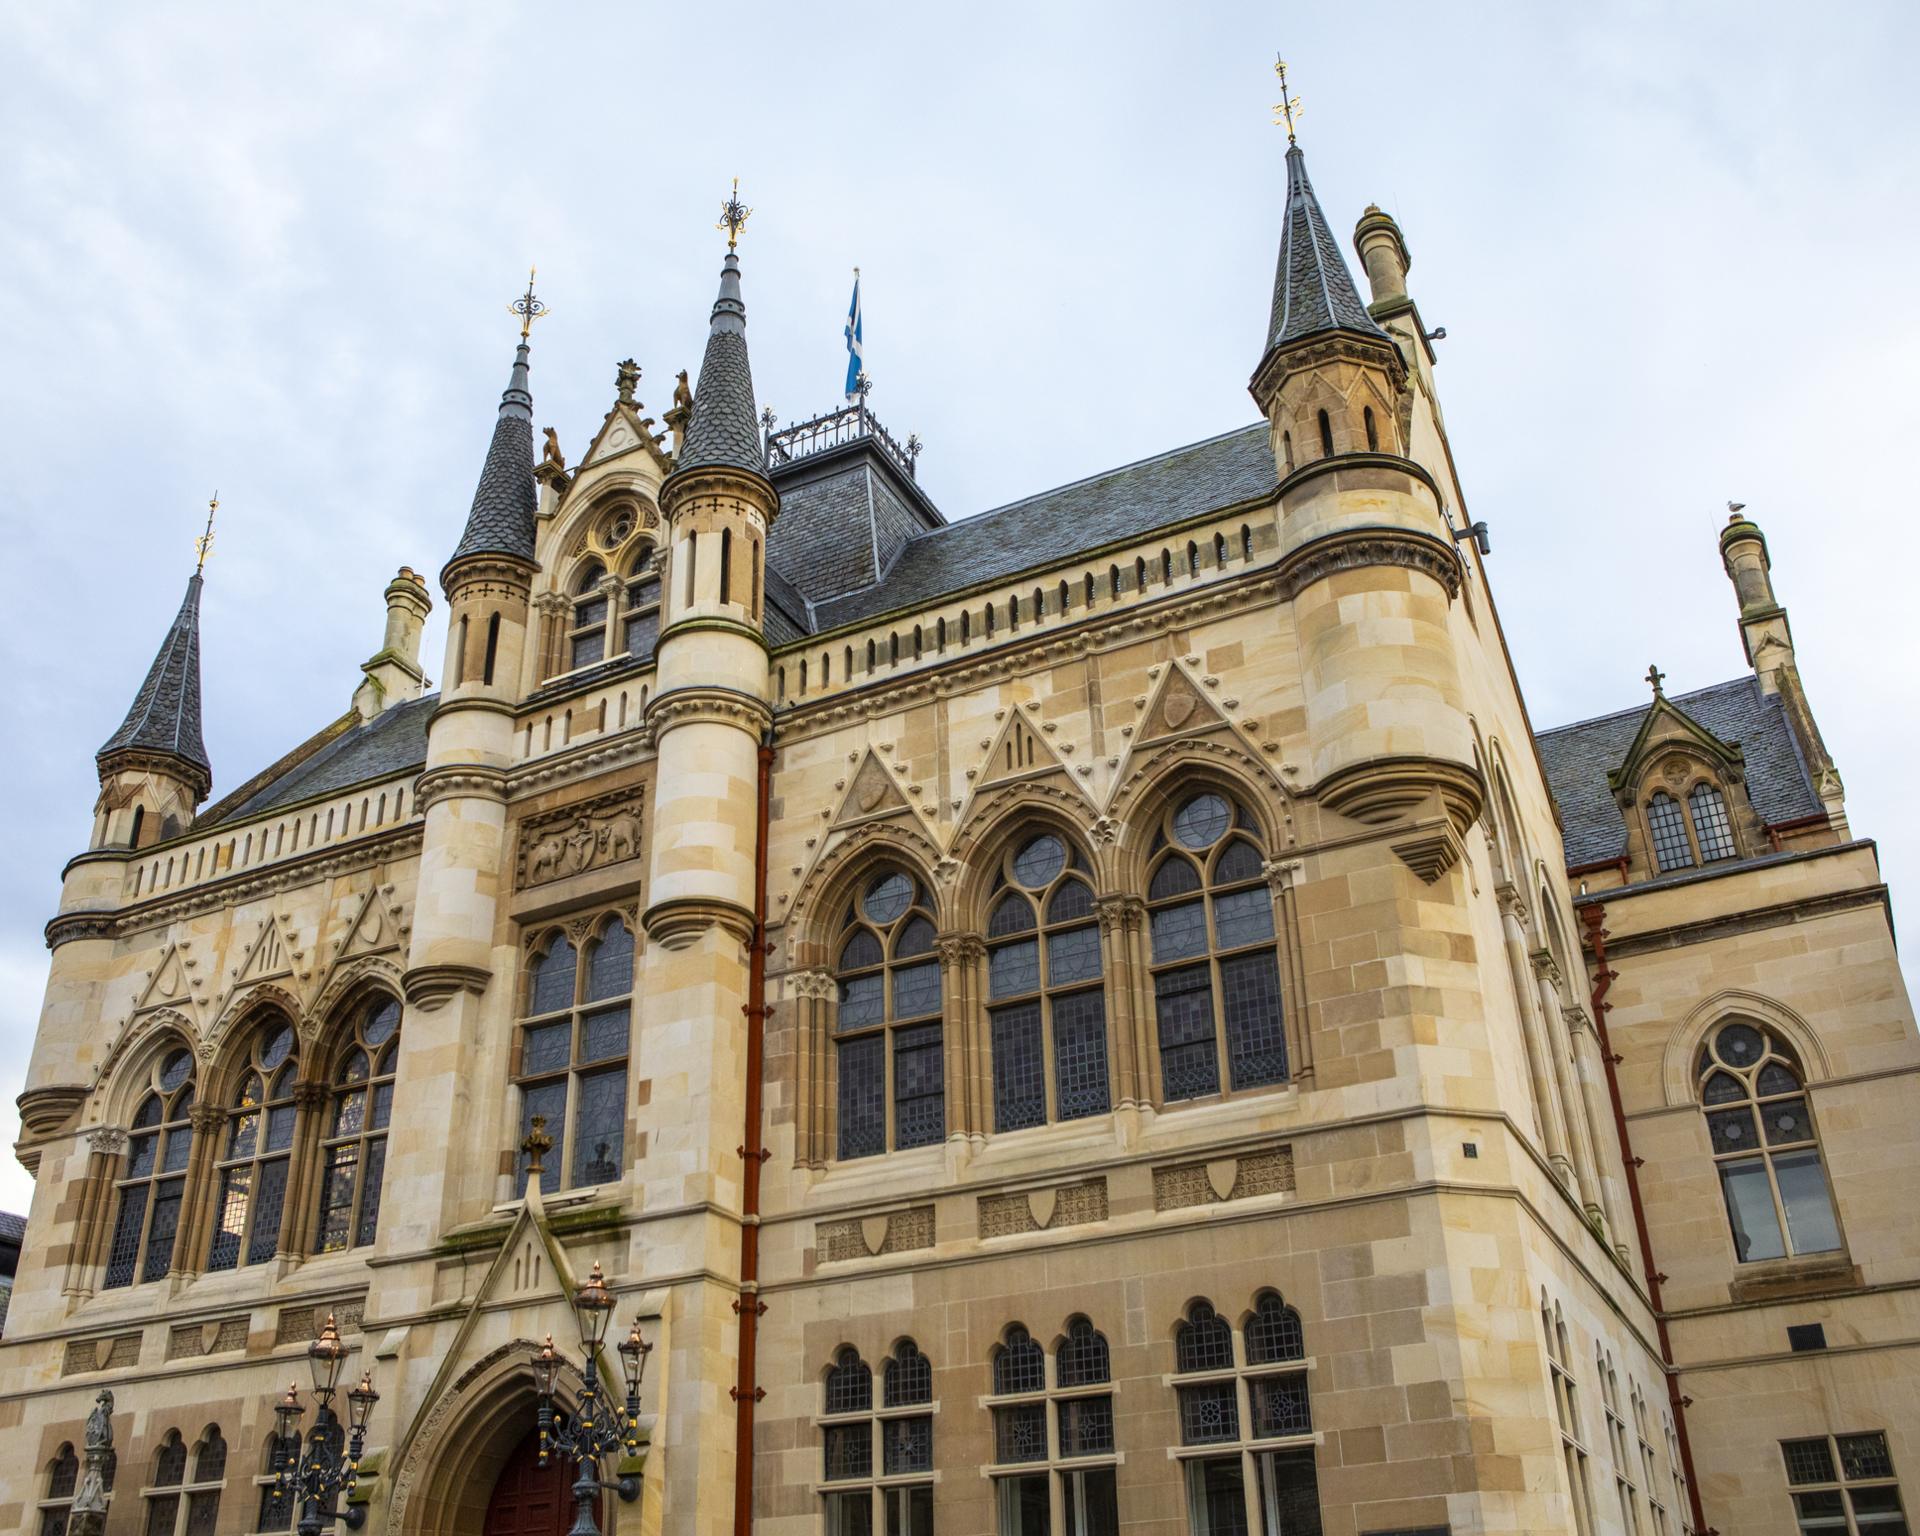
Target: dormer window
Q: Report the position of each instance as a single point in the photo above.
(1698, 832)
(587, 637)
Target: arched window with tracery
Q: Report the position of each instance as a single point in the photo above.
(1046, 1004)
(902, 1424)
(353, 1150)
(1053, 1437)
(56, 1503)
(572, 1067)
(1216, 968)
(587, 631)
(887, 1028)
(1700, 832)
(152, 1180)
(257, 1151)
(179, 1504)
(1764, 1145)
(640, 619)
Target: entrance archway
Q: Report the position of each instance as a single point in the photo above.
(529, 1499)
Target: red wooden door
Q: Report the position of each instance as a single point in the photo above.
(528, 1499)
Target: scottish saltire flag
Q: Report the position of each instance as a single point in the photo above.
(856, 358)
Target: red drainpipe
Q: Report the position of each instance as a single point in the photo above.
(1593, 916)
(748, 1392)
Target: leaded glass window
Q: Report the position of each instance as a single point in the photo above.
(902, 1428)
(63, 1477)
(1844, 1484)
(1760, 1128)
(1566, 1408)
(1045, 988)
(1712, 827)
(353, 1147)
(183, 1502)
(1059, 1429)
(152, 1180)
(640, 619)
(1216, 966)
(888, 1045)
(587, 633)
(1021, 1365)
(1700, 832)
(1667, 823)
(256, 1152)
(572, 1056)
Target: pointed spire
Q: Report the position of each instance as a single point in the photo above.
(1312, 290)
(725, 428)
(165, 718)
(501, 521)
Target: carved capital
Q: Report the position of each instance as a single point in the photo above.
(107, 1140)
(719, 706)
(1281, 873)
(814, 986)
(430, 987)
(207, 1119)
(311, 1094)
(1576, 1020)
(960, 948)
(476, 781)
(1120, 913)
(1512, 901)
(1358, 548)
(1547, 968)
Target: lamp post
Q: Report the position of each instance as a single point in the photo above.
(598, 1425)
(320, 1469)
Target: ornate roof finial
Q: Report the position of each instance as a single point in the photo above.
(626, 379)
(204, 544)
(734, 215)
(527, 307)
(1656, 677)
(1287, 108)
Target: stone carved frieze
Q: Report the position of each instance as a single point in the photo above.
(591, 835)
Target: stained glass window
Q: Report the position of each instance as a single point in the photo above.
(572, 1067)
(587, 634)
(887, 1027)
(1048, 1007)
(905, 1441)
(353, 1147)
(1859, 1482)
(641, 616)
(257, 1152)
(151, 1183)
(1216, 969)
(1761, 1132)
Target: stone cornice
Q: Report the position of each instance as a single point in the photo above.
(1358, 548)
(487, 575)
(708, 623)
(69, 926)
(430, 987)
(716, 706)
(471, 781)
(163, 764)
(629, 746)
(687, 488)
(678, 922)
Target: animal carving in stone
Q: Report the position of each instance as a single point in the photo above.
(578, 840)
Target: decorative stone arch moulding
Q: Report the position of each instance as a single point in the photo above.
(996, 818)
(116, 1082)
(1683, 1044)
(1154, 782)
(349, 987)
(244, 1005)
(834, 871)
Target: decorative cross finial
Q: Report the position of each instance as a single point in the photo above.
(537, 1145)
(863, 385)
(626, 378)
(204, 543)
(1656, 677)
(914, 445)
(527, 307)
(1287, 108)
(734, 215)
(768, 420)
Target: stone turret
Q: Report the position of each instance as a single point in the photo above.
(154, 770)
(1367, 555)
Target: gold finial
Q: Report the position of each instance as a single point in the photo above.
(733, 216)
(536, 1146)
(1287, 108)
(528, 308)
(205, 542)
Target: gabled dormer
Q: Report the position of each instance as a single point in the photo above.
(1682, 793)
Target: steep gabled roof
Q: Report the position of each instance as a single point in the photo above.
(165, 717)
(391, 742)
(1579, 757)
(1312, 288)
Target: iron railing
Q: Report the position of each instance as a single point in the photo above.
(835, 429)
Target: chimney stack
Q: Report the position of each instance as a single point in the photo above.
(393, 675)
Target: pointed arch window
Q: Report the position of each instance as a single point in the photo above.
(152, 1180)
(257, 1152)
(1700, 832)
(1055, 1433)
(353, 1151)
(572, 1067)
(63, 1478)
(1046, 1001)
(1216, 969)
(184, 1497)
(1239, 1409)
(901, 1424)
(640, 619)
(587, 634)
(1566, 1407)
(1765, 1147)
(887, 1030)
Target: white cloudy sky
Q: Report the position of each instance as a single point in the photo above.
(268, 249)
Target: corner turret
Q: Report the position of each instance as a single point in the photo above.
(154, 770)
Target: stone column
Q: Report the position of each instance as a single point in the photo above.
(961, 1025)
(1599, 1110)
(1549, 1110)
(1130, 1070)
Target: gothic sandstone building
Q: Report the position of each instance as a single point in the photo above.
(1100, 1013)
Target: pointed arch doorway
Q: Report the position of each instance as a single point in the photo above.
(529, 1499)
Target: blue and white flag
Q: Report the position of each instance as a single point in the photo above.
(856, 358)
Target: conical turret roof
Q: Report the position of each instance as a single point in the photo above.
(725, 429)
(165, 717)
(1312, 289)
(502, 519)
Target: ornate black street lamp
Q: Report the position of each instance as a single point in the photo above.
(318, 1472)
(597, 1426)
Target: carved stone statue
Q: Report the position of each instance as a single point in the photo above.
(682, 411)
(682, 395)
(553, 455)
(626, 379)
(89, 1514)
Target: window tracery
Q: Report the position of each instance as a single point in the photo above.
(152, 1182)
(571, 1066)
(353, 1149)
(256, 1154)
(887, 1029)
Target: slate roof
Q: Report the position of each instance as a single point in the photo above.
(725, 429)
(1312, 289)
(501, 521)
(1578, 758)
(786, 615)
(393, 741)
(12, 1228)
(1045, 529)
(165, 716)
